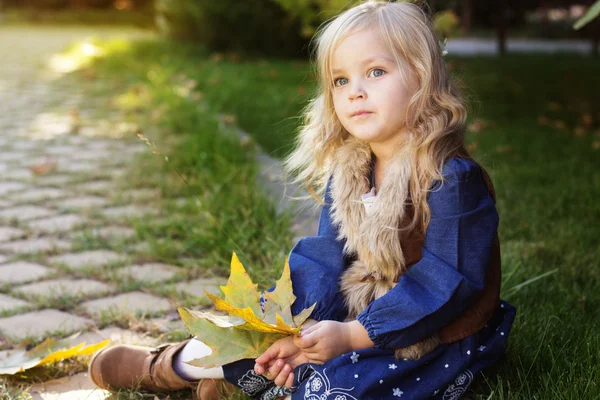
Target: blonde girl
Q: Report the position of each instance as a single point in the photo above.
(405, 269)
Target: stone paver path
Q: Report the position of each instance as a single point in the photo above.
(52, 283)
(62, 199)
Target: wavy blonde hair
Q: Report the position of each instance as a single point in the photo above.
(436, 114)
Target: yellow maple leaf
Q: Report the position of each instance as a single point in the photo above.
(248, 330)
(47, 352)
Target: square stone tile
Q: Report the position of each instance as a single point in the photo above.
(61, 287)
(151, 273)
(82, 202)
(8, 233)
(55, 180)
(107, 233)
(132, 302)
(129, 211)
(8, 303)
(9, 187)
(40, 324)
(25, 213)
(78, 386)
(34, 195)
(95, 187)
(21, 174)
(197, 286)
(22, 271)
(60, 223)
(87, 259)
(140, 194)
(3, 259)
(5, 204)
(77, 167)
(39, 245)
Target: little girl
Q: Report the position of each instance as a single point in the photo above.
(405, 270)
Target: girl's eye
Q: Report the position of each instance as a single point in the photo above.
(376, 72)
(339, 81)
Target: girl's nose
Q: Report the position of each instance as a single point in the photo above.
(356, 91)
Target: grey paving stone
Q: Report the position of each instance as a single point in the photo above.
(152, 272)
(5, 203)
(168, 325)
(78, 386)
(3, 259)
(82, 202)
(8, 233)
(106, 233)
(116, 336)
(60, 287)
(62, 149)
(77, 167)
(24, 213)
(9, 187)
(95, 187)
(8, 303)
(197, 287)
(13, 156)
(140, 194)
(55, 180)
(39, 245)
(39, 324)
(87, 259)
(38, 194)
(22, 271)
(19, 175)
(27, 145)
(60, 223)
(132, 302)
(129, 211)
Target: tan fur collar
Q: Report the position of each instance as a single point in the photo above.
(373, 239)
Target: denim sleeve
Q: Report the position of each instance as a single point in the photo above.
(316, 263)
(456, 252)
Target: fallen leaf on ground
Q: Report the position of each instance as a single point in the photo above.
(48, 352)
(43, 168)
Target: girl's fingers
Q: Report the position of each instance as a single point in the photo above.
(275, 369)
(268, 355)
(290, 381)
(259, 369)
(308, 341)
(283, 376)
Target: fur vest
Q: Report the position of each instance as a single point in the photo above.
(381, 250)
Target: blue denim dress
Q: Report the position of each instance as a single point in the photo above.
(434, 291)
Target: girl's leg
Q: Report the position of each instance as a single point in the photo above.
(195, 349)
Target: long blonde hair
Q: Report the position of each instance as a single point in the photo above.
(436, 114)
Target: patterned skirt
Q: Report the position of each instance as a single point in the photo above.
(446, 373)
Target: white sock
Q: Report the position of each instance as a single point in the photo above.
(195, 349)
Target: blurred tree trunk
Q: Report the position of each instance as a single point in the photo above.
(467, 15)
(501, 21)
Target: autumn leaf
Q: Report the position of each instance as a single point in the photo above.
(228, 344)
(240, 291)
(247, 331)
(280, 300)
(48, 352)
(43, 168)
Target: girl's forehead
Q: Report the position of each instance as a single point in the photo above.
(362, 47)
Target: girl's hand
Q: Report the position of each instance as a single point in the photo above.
(279, 360)
(324, 341)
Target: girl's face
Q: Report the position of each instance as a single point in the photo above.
(369, 96)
